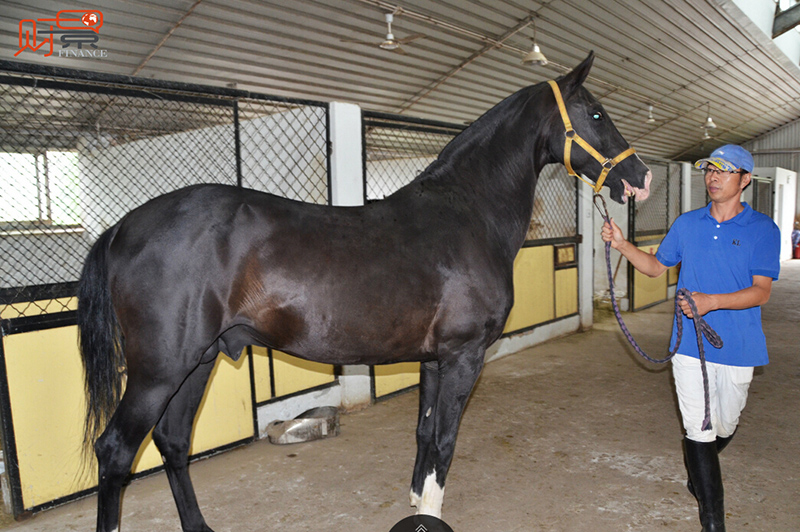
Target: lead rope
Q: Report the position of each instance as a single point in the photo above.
(700, 326)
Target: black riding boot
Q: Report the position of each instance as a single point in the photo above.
(702, 461)
(721, 444)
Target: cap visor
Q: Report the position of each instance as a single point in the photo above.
(722, 164)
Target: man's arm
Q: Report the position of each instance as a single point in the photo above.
(752, 296)
(644, 262)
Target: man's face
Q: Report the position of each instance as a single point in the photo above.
(723, 186)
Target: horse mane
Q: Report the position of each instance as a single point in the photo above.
(479, 132)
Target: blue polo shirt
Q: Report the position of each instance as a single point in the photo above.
(719, 258)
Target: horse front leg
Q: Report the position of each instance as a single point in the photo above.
(172, 436)
(428, 391)
(456, 377)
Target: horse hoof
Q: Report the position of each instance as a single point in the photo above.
(414, 499)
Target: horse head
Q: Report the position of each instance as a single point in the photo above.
(591, 144)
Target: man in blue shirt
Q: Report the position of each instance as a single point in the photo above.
(729, 256)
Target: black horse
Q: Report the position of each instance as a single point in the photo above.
(424, 275)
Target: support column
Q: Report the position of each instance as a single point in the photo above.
(686, 188)
(347, 190)
(586, 257)
(347, 176)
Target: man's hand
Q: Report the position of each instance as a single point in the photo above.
(705, 303)
(612, 233)
(644, 262)
(752, 296)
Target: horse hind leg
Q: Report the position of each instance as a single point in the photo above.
(172, 436)
(456, 377)
(138, 411)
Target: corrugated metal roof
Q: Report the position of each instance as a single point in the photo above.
(683, 57)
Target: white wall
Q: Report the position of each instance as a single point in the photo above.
(785, 190)
(762, 13)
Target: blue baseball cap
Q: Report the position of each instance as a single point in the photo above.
(729, 158)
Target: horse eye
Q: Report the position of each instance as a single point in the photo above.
(597, 115)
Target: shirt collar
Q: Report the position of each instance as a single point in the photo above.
(742, 218)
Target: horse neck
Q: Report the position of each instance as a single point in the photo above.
(494, 171)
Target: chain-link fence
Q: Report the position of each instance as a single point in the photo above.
(555, 205)
(399, 148)
(653, 218)
(76, 155)
(699, 194)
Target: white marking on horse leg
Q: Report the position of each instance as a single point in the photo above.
(432, 497)
(413, 498)
(428, 413)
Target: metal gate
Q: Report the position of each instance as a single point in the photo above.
(648, 223)
(763, 195)
(77, 151)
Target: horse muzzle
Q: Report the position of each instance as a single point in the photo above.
(638, 194)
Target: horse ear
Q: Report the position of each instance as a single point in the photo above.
(578, 75)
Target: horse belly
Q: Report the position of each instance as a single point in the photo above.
(344, 324)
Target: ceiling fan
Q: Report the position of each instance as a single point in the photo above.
(389, 42)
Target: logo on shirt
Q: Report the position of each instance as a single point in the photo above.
(736, 242)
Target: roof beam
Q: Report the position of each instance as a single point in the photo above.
(486, 48)
(164, 39)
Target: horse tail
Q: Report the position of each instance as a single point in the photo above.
(101, 342)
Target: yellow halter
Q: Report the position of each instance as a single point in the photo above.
(571, 136)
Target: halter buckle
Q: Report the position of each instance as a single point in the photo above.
(609, 164)
(570, 133)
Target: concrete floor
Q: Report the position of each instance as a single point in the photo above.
(574, 435)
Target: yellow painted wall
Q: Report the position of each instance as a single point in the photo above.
(45, 380)
(534, 291)
(294, 374)
(566, 292)
(390, 378)
(672, 275)
(646, 290)
(261, 374)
